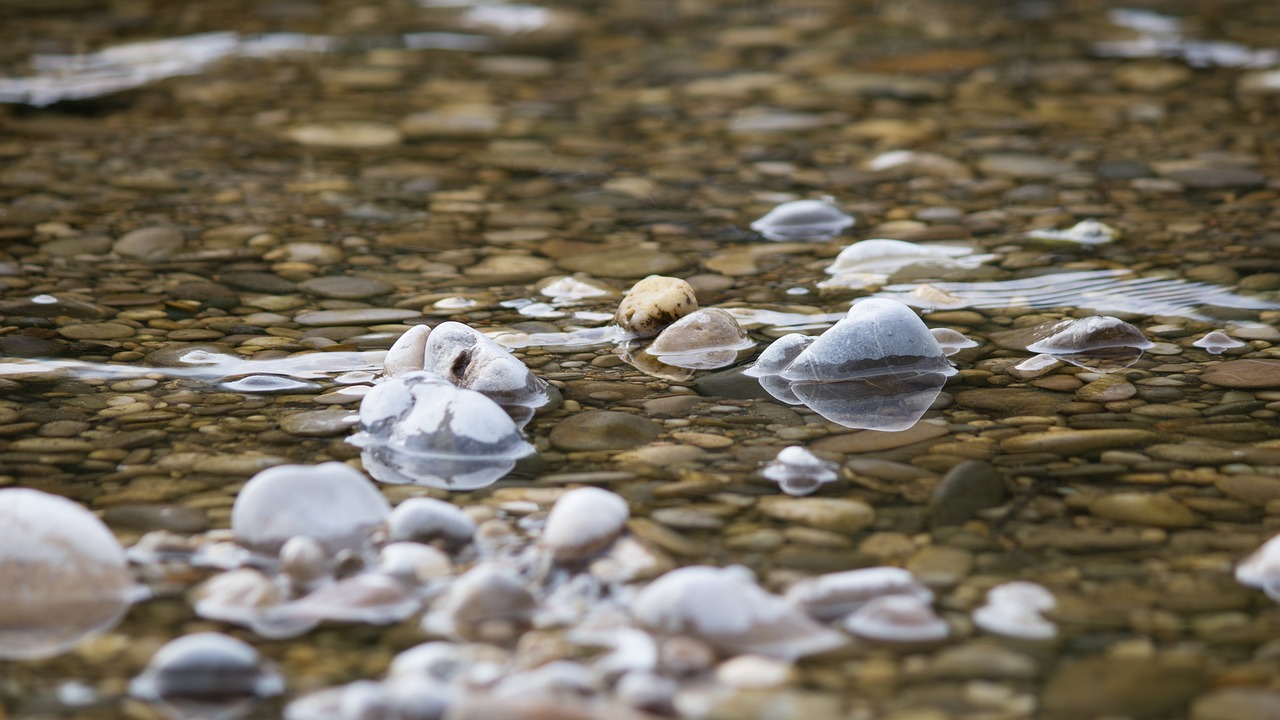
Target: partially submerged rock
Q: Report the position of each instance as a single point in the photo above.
(332, 503)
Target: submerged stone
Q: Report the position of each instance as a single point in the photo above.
(206, 666)
(871, 263)
(878, 368)
(1217, 342)
(803, 220)
(835, 595)
(63, 575)
(420, 429)
(332, 503)
(1085, 232)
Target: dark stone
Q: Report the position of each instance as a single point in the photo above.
(971, 486)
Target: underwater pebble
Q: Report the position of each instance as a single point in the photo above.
(966, 489)
(803, 220)
(333, 503)
(1245, 374)
(837, 514)
(835, 595)
(604, 430)
(63, 575)
(1139, 508)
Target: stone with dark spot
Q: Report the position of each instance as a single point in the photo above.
(604, 430)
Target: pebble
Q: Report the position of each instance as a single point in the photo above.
(153, 243)
(1126, 687)
(877, 440)
(1141, 508)
(319, 423)
(348, 135)
(1107, 389)
(984, 661)
(346, 287)
(1022, 166)
(654, 303)
(839, 515)
(353, 316)
(971, 486)
(635, 262)
(1244, 374)
(604, 430)
(97, 331)
(1012, 401)
(1074, 442)
(1237, 703)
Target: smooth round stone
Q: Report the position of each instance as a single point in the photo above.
(622, 263)
(655, 303)
(1237, 703)
(1021, 165)
(604, 430)
(1244, 374)
(345, 287)
(971, 486)
(984, 660)
(353, 316)
(207, 666)
(1071, 442)
(319, 423)
(333, 503)
(96, 331)
(153, 243)
(1107, 389)
(1253, 489)
(350, 135)
(836, 514)
(63, 575)
(1139, 508)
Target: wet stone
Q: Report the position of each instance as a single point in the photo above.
(1012, 401)
(1132, 687)
(967, 488)
(154, 243)
(839, 515)
(97, 331)
(1247, 374)
(604, 430)
(1071, 442)
(1217, 178)
(1140, 508)
(318, 423)
(346, 287)
(1022, 166)
(622, 263)
(353, 316)
(1237, 703)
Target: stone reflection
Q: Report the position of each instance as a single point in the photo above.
(878, 369)
(702, 340)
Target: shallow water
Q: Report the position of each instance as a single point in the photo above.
(318, 176)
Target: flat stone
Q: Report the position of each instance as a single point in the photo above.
(353, 316)
(97, 331)
(984, 661)
(1021, 165)
(319, 423)
(604, 430)
(1253, 489)
(1006, 402)
(350, 135)
(1138, 688)
(1141, 508)
(1072, 442)
(346, 287)
(835, 514)
(1217, 178)
(153, 243)
(1244, 374)
(622, 263)
(1237, 703)
(877, 440)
